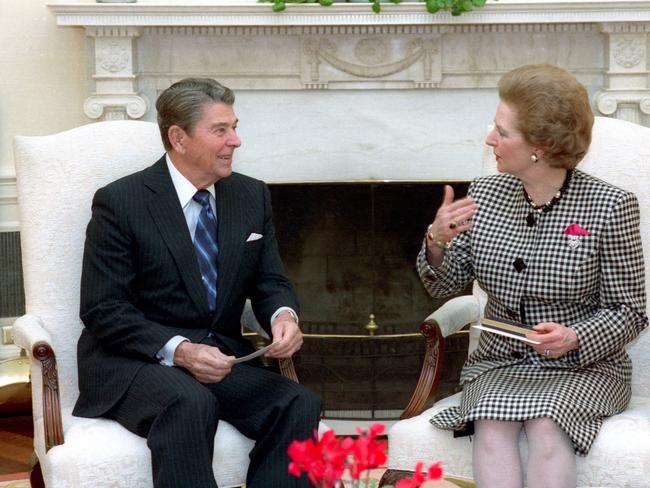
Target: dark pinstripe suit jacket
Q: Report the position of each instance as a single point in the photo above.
(141, 283)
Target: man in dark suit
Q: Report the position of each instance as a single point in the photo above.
(172, 253)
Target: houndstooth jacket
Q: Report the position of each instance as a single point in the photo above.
(593, 283)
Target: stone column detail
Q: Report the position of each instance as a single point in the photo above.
(116, 94)
(627, 86)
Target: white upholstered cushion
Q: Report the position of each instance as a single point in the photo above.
(101, 453)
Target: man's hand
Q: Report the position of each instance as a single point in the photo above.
(555, 339)
(206, 363)
(287, 337)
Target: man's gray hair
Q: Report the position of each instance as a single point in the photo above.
(182, 104)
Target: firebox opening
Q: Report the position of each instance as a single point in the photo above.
(349, 249)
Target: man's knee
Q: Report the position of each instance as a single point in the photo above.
(196, 403)
(305, 405)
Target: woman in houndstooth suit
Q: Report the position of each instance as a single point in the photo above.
(553, 248)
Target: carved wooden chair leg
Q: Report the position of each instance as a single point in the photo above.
(36, 477)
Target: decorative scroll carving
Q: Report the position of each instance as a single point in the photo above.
(52, 423)
(134, 106)
(431, 370)
(287, 369)
(371, 60)
(609, 102)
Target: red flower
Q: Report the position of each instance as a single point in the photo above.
(575, 230)
(368, 453)
(433, 473)
(325, 460)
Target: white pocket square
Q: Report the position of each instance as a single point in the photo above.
(253, 237)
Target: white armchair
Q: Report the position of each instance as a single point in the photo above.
(56, 177)
(620, 455)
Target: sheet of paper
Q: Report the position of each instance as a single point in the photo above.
(255, 354)
(506, 334)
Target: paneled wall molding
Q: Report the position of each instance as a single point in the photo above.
(8, 203)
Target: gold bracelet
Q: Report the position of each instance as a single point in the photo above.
(442, 245)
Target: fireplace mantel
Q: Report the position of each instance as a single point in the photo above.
(250, 13)
(376, 96)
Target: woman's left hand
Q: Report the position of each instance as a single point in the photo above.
(555, 340)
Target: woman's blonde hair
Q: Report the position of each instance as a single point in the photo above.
(553, 111)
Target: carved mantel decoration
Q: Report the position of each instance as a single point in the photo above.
(139, 48)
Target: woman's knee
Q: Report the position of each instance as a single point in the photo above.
(546, 438)
(495, 433)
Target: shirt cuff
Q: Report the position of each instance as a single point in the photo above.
(284, 309)
(166, 353)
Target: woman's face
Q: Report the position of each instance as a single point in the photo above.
(510, 149)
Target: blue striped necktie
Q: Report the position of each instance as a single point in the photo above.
(205, 244)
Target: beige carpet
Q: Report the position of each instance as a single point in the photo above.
(15, 484)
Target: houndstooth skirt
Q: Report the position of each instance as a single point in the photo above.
(576, 400)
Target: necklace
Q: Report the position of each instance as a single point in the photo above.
(545, 207)
(531, 221)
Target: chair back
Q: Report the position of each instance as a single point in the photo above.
(56, 177)
(620, 154)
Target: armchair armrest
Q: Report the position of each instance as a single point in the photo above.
(448, 319)
(30, 334)
(249, 321)
(456, 313)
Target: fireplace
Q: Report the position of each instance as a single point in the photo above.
(349, 249)
(345, 96)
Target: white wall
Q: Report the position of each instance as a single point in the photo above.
(42, 85)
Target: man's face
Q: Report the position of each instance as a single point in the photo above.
(209, 148)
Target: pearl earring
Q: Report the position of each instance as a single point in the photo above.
(534, 158)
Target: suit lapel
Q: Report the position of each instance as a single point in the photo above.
(230, 221)
(168, 216)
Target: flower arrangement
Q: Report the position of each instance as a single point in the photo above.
(456, 7)
(326, 460)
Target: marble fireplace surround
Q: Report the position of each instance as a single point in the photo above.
(343, 94)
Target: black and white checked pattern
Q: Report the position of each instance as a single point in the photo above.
(596, 287)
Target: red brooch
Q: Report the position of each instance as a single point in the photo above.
(575, 231)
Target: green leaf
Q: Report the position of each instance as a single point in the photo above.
(432, 6)
(376, 8)
(278, 6)
(466, 5)
(478, 3)
(325, 3)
